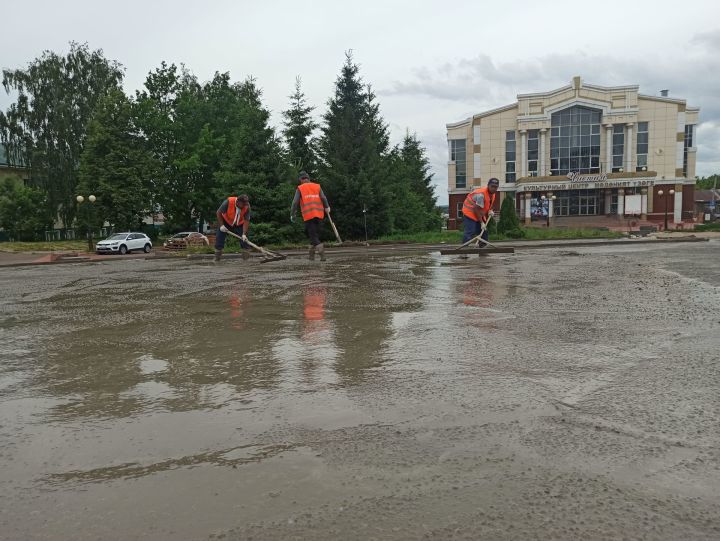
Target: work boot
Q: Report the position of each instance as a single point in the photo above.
(218, 255)
(245, 255)
(312, 253)
(321, 251)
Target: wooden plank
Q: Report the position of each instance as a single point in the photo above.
(479, 251)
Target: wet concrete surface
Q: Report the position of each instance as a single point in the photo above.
(550, 394)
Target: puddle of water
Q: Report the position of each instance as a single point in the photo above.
(310, 380)
(151, 365)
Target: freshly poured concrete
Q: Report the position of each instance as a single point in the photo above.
(549, 394)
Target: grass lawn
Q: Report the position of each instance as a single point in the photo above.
(428, 237)
(531, 233)
(54, 246)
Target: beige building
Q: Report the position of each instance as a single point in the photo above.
(581, 150)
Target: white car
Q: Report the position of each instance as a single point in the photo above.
(122, 243)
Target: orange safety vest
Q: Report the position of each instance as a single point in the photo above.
(231, 215)
(311, 205)
(470, 205)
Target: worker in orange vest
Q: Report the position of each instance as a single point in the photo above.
(313, 206)
(478, 209)
(233, 215)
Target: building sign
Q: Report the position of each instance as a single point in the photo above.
(553, 186)
(574, 176)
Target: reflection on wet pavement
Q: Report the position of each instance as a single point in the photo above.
(573, 394)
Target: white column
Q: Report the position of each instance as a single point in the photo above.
(522, 205)
(608, 201)
(608, 148)
(677, 209)
(550, 204)
(629, 148)
(643, 203)
(621, 202)
(523, 153)
(543, 136)
(528, 208)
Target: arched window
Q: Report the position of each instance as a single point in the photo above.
(575, 141)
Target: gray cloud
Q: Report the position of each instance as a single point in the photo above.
(483, 83)
(711, 40)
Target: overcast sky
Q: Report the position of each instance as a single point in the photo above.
(429, 62)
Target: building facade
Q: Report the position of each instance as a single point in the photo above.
(9, 170)
(581, 150)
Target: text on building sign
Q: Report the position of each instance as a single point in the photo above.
(574, 176)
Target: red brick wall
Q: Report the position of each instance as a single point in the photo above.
(454, 222)
(458, 199)
(688, 205)
(659, 200)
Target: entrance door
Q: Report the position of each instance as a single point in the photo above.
(562, 205)
(587, 205)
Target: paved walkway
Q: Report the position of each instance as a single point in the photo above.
(17, 259)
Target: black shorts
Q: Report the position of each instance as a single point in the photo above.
(313, 228)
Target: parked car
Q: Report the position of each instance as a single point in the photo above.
(186, 238)
(122, 243)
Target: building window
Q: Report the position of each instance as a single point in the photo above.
(458, 154)
(575, 141)
(561, 206)
(533, 144)
(459, 213)
(576, 203)
(618, 147)
(510, 156)
(687, 144)
(587, 204)
(642, 146)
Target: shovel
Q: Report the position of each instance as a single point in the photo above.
(477, 240)
(337, 235)
(269, 256)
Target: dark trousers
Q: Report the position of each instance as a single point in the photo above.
(313, 228)
(220, 237)
(472, 229)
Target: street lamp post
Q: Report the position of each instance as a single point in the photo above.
(666, 196)
(91, 198)
(548, 199)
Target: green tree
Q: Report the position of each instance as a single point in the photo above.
(211, 140)
(412, 195)
(255, 165)
(46, 127)
(23, 209)
(352, 149)
(116, 165)
(509, 223)
(158, 117)
(707, 183)
(298, 128)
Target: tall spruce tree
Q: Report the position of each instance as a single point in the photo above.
(298, 132)
(413, 196)
(352, 150)
(255, 165)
